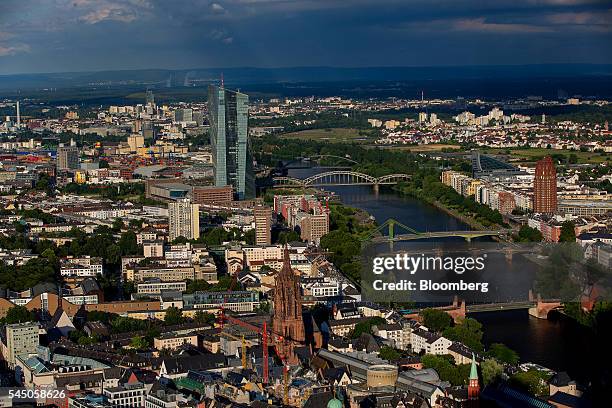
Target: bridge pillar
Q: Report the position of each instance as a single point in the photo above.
(541, 309)
(459, 311)
(376, 188)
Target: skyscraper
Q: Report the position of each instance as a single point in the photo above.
(228, 113)
(263, 218)
(67, 158)
(149, 98)
(184, 219)
(545, 187)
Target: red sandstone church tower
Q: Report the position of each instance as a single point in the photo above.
(545, 187)
(288, 321)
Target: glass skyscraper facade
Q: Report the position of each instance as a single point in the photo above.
(228, 113)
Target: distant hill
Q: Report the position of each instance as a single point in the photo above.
(249, 75)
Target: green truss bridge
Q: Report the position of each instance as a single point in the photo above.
(409, 234)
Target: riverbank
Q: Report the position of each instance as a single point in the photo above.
(463, 218)
(471, 221)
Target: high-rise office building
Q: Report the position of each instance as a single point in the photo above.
(228, 117)
(314, 226)
(67, 158)
(184, 219)
(183, 115)
(148, 130)
(263, 227)
(545, 187)
(149, 98)
(21, 339)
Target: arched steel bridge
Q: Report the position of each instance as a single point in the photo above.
(321, 156)
(413, 234)
(341, 178)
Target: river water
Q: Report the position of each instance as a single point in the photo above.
(557, 343)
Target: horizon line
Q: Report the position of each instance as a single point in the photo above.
(552, 64)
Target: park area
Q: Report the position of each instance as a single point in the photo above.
(329, 134)
(532, 155)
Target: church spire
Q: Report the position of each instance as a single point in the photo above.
(473, 385)
(473, 370)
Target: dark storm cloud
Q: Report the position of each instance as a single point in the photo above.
(73, 35)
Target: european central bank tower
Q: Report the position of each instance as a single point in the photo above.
(228, 114)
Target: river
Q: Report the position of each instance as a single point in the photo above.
(557, 343)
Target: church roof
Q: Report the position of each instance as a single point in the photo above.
(473, 370)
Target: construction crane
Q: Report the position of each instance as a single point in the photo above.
(243, 348)
(266, 334)
(285, 383)
(243, 356)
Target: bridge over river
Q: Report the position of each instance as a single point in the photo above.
(458, 310)
(340, 178)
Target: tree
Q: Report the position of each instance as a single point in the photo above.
(97, 316)
(117, 224)
(503, 353)
(135, 223)
(446, 369)
(263, 307)
(389, 353)
(35, 271)
(19, 314)
(491, 371)
(81, 338)
(198, 285)
(180, 240)
(129, 287)
(287, 236)
(113, 254)
(435, 319)
(223, 284)
(366, 326)
(468, 332)
(43, 183)
(173, 316)
(249, 237)
(204, 317)
(532, 381)
(128, 243)
(139, 343)
(568, 232)
(528, 234)
(121, 324)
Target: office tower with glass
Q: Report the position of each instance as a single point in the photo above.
(228, 113)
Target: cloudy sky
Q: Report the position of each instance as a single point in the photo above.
(82, 35)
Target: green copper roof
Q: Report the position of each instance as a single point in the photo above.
(334, 403)
(473, 370)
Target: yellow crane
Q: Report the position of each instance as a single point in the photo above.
(286, 386)
(243, 354)
(243, 347)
